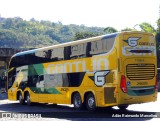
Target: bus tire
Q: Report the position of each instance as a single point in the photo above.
(123, 107)
(28, 99)
(90, 102)
(77, 101)
(20, 98)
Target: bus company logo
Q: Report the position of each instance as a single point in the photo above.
(132, 41)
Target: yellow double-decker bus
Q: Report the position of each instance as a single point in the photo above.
(116, 69)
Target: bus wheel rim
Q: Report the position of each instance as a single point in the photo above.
(91, 102)
(77, 102)
(28, 99)
(20, 97)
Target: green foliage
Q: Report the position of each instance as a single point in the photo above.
(8, 38)
(83, 35)
(127, 29)
(19, 33)
(147, 27)
(110, 30)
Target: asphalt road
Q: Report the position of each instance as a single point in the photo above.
(48, 112)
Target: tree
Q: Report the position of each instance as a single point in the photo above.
(84, 35)
(19, 33)
(127, 29)
(8, 38)
(110, 30)
(147, 27)
(8, 23)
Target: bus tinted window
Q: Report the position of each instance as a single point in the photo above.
(32, 80)
(57, 53)
(13, 62)
(22, 60)
(75, 79)
(50, 55)
(11, 77)
(78, 50)
(101, 46)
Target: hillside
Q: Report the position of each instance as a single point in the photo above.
(19, 33)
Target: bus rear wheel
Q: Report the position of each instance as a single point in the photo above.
(20, 98)
(77, 101)
(90, 102)
(28, 99)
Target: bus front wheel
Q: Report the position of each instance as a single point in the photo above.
(77, 101)
(28, 99)
(90, 102)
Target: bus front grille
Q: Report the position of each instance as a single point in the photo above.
(140, 71)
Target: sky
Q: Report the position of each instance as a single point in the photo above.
(101, 13)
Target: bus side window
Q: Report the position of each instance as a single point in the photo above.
(13, 62)
(32, 81)
(68, 54)
(53, 80)
(24, 60)
(65, 80)
(75, 79)
(96, 47)
(57, 54)
(101, 46)
(11, 81)
(41, 78)
(11, 77)
(107, 44)
(78, 51)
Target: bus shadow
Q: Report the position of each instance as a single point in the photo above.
(67, 112)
